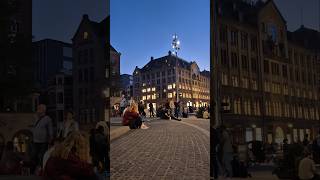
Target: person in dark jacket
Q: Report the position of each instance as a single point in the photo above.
(151, 109)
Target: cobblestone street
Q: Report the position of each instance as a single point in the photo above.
(167, 150)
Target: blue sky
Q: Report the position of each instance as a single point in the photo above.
(144, 28)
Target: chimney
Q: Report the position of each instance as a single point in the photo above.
(151, 58)
(169, 53)
(85, 16)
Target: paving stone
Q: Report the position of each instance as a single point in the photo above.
(167, 150)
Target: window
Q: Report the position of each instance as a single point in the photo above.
(223, 34)
(148, 97)
(297, 75)
(245, 82)
(254, 44)
(237, 106)
(245, 64)
(234, 60)
(169, 87)
(144, 90)
(148, 89)
(224, 79)
(244, 40)
(284, 71)
(234, 38)
(153, 89)
(254, 65)
(169, 95)
(235, 81)
(144, 97)
(224, 57)
(85, 35)
(266, 66)
(247, 107)
(254, 85)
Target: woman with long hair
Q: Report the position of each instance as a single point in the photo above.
(70, 160)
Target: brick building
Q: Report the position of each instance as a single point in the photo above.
(90, 71)
(158, 80)
(268, 75)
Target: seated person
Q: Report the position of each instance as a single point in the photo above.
(307, 168)
(131, 117)
(11, 161)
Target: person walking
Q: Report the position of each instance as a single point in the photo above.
(151, 109)
(177, 109)
(42, 135)
(68, 125)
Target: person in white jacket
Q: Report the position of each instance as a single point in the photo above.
(68, 125)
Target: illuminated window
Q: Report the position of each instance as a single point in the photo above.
(153, 89)
(169, 86)
(149, 89)
(144, 97)
(154, 96)
(174, 85)
(85, 35)
(169, 95)
(148, 97)
(144, 90)
(144, 84)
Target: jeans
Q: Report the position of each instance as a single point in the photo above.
(38, 151)
(136, 123)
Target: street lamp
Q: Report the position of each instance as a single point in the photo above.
(176, 46)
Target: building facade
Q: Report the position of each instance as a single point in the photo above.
(160, 80)
(115, 78)
(92, 71)
(127, 84)
(267, 76)
(50, 57)
(59, 95)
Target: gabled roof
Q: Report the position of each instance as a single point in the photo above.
(249, 11)
(113, 49)
(306, 37)
(100, 29)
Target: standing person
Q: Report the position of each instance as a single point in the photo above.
(68, 125)
(123, 104)
(101, 149)
(151, 109)
(171, 104)
(177, 109)
(316, 149)
(42, 135)
(227, 151)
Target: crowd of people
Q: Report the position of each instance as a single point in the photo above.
(68, 155)
(300, 156)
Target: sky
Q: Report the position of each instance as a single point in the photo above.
(144, 28)
(59, 19)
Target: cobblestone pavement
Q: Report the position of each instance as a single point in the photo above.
(167, 150)
(202, 123)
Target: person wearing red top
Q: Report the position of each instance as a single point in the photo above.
(131, 117)
(70, 160)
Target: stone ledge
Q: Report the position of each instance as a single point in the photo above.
(117, 131)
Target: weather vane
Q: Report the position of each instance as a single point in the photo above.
(175, 44)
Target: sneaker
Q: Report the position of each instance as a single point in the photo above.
(144, 126)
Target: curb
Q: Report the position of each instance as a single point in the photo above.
(118, 131)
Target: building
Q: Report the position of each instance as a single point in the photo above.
(127, 84)
(16, 75)
(91, 71)
(158, 80)
(115, 72)
(59, 95)
(50, 58)
(268, 75)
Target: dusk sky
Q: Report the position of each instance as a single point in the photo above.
(144, 28)
(59, 19)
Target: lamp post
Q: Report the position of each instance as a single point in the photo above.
(176, 47)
